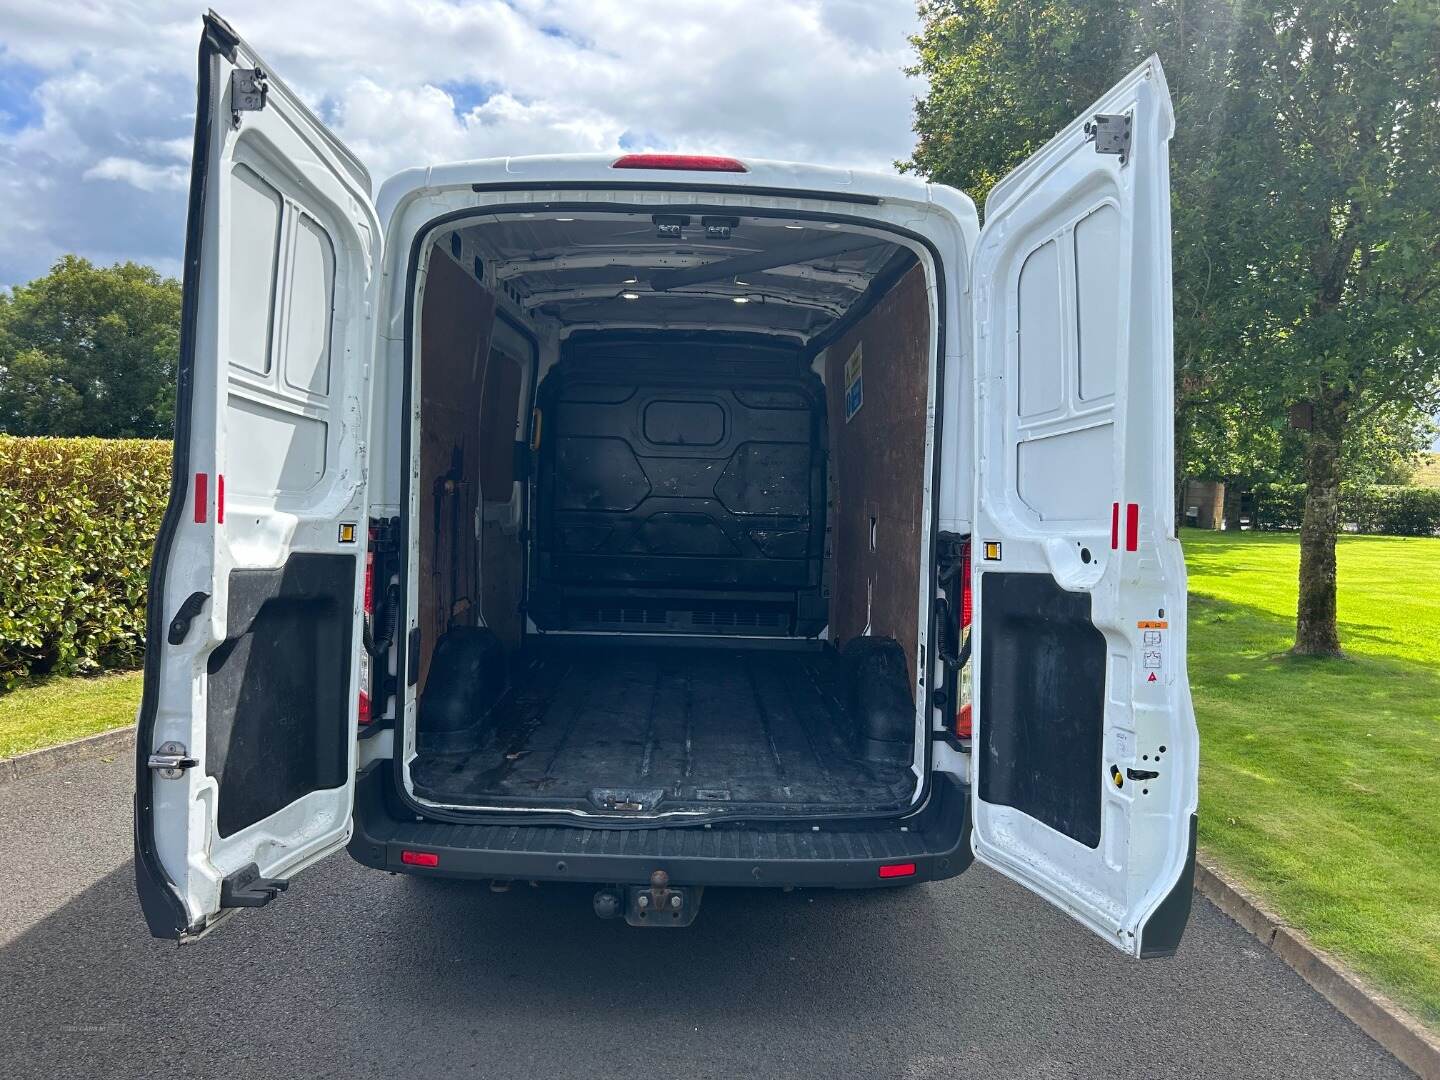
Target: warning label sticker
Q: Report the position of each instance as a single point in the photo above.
(854, 383)
(1152, 647)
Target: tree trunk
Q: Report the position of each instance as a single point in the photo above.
(1233, 495)
(1316, 633)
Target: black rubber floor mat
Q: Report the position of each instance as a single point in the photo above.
(647, 728)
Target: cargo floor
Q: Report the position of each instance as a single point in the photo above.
(647, 728)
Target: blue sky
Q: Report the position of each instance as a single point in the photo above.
(97, 96)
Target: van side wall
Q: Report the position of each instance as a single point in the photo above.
(469, 400)
(877, 462)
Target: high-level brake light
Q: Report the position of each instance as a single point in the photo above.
(680, 162)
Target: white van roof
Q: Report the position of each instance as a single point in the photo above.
(848, 185)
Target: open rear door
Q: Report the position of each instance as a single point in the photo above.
(246, 748)
(1085, 744)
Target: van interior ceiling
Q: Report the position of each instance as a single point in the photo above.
(671, 478)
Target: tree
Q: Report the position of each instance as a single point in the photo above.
(1305, 208)
(1332, 217)
(90, 350)
(1244, 441)
(1005, 75)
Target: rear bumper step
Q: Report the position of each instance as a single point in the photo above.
(936, 841)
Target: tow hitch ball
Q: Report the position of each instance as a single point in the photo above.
(659, 904)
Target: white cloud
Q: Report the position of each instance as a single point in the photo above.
(144, 176)
(99, 167)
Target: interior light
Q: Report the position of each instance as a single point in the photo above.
(794, 226)
(740, 299)
(630, 281)
(629, 296)
(564, 219)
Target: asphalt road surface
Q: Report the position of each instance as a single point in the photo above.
(357, 973)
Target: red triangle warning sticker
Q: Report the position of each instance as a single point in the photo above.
(1151, 678)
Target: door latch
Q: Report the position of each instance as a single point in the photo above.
(1110, 132)
(171, 760)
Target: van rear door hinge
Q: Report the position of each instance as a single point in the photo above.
(248, 90)
(1111, 134)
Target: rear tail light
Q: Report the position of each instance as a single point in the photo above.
(419, 858)
(967, 600)
(964, 728)
(362, 705)
(680, 162)
(899, 869)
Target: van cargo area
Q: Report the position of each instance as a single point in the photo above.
(669, 487)
(642, 727)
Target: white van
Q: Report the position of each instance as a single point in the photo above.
(618, 521)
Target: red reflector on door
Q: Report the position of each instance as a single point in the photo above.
(1132, 527)
(1114, 526)
(682, 162)
(899, 869)
(219, 498)
(202, 497)
(419, 858)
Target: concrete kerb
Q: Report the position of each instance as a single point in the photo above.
(117, 740)
(1373, 1013)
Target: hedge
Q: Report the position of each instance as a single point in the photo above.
(1380, 509)
(78, 518)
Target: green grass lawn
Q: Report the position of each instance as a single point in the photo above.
(1320, 779)
(51, 711)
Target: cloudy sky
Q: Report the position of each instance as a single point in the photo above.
(97, 96)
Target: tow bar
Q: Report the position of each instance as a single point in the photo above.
(658, 904)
